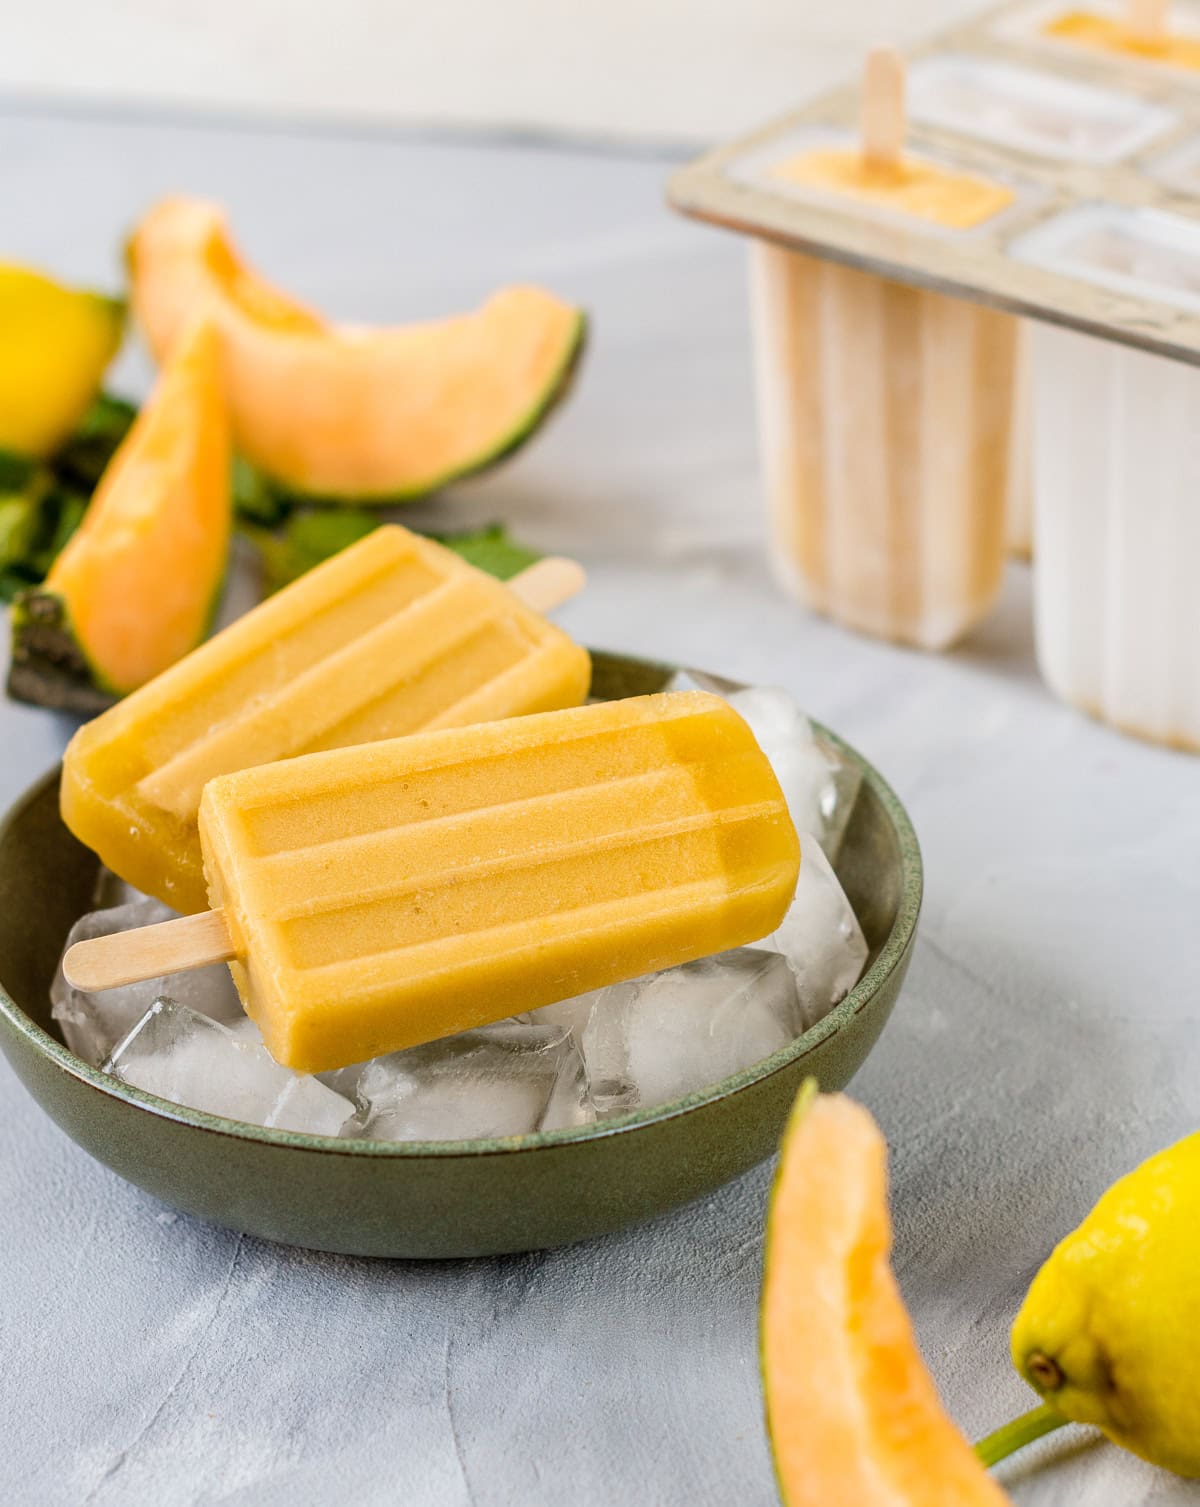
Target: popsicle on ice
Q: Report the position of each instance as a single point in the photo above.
(394, 635)
(885, 414)
(376, 897)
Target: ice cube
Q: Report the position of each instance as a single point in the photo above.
(181, 1055)
(503, 1080)
(820, 937)
(702, 680)
(110, 891)
(92, 1024)
(571, 1014)
(656, 1038)
(819, 785)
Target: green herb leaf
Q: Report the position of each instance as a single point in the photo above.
(18, 528)
(310, 535)
(82, 460)
(254, 498)
(16, 471)
(490, 548)
(307, 537)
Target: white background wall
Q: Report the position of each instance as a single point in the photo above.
(684, 69)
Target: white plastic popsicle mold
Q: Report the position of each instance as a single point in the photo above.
(1179, 167)
(1145, 253)
(1117, 533)
(890, 348)
(1032, 110)
(885, 417)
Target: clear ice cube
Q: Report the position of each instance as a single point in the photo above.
(92, 1024)
(181, 1055)
(513, 1078)
(654, 1039)
(111, 890)
(819, 785)
(820, 937)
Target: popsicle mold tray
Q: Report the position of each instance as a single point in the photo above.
(911, 423)
(1057, 127)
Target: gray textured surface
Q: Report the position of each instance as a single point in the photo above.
(1047, 1039)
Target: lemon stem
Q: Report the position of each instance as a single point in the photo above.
(1017, 1434)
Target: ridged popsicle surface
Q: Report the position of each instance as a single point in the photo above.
(390, 894)
(394, 635)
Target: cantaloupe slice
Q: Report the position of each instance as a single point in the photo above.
(135, 587)
(340, 412)
(853, 1414)
(55, 343)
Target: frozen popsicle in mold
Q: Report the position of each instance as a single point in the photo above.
(394, 635)
(885, 418)
(885, 421)
(1117, 534)
(1141, 30)
(877, 171)
(377, 897)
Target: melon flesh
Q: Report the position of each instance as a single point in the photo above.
(852, 1411)
(338, 411)
(140, 576)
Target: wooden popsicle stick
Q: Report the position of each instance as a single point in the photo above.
(549, 583)
(128, 957)
(881, 113)
(1148, 18)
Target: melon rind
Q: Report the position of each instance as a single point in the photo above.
(552, 398)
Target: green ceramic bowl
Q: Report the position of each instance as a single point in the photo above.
(424, 1199)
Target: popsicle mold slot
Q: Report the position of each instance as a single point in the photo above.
(1146, 253)
(1148, 34)
(1059, 119)
(886, 429)
(1179, 167)
(1117, 534)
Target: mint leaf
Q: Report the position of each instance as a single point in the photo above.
(18, 528)
(308, 536)
(490, 548)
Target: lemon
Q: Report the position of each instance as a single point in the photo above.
(1109, 1333)
(55, 343)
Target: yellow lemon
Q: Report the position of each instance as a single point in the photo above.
(1109, 1333)
(55, 343)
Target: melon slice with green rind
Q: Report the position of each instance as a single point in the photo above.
(55, 343)
(852, 1412)
(136, 586)
(340, 412)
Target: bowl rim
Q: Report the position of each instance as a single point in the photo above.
(891, 954)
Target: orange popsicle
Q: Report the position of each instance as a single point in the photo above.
(394, 635)
(376, 897)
